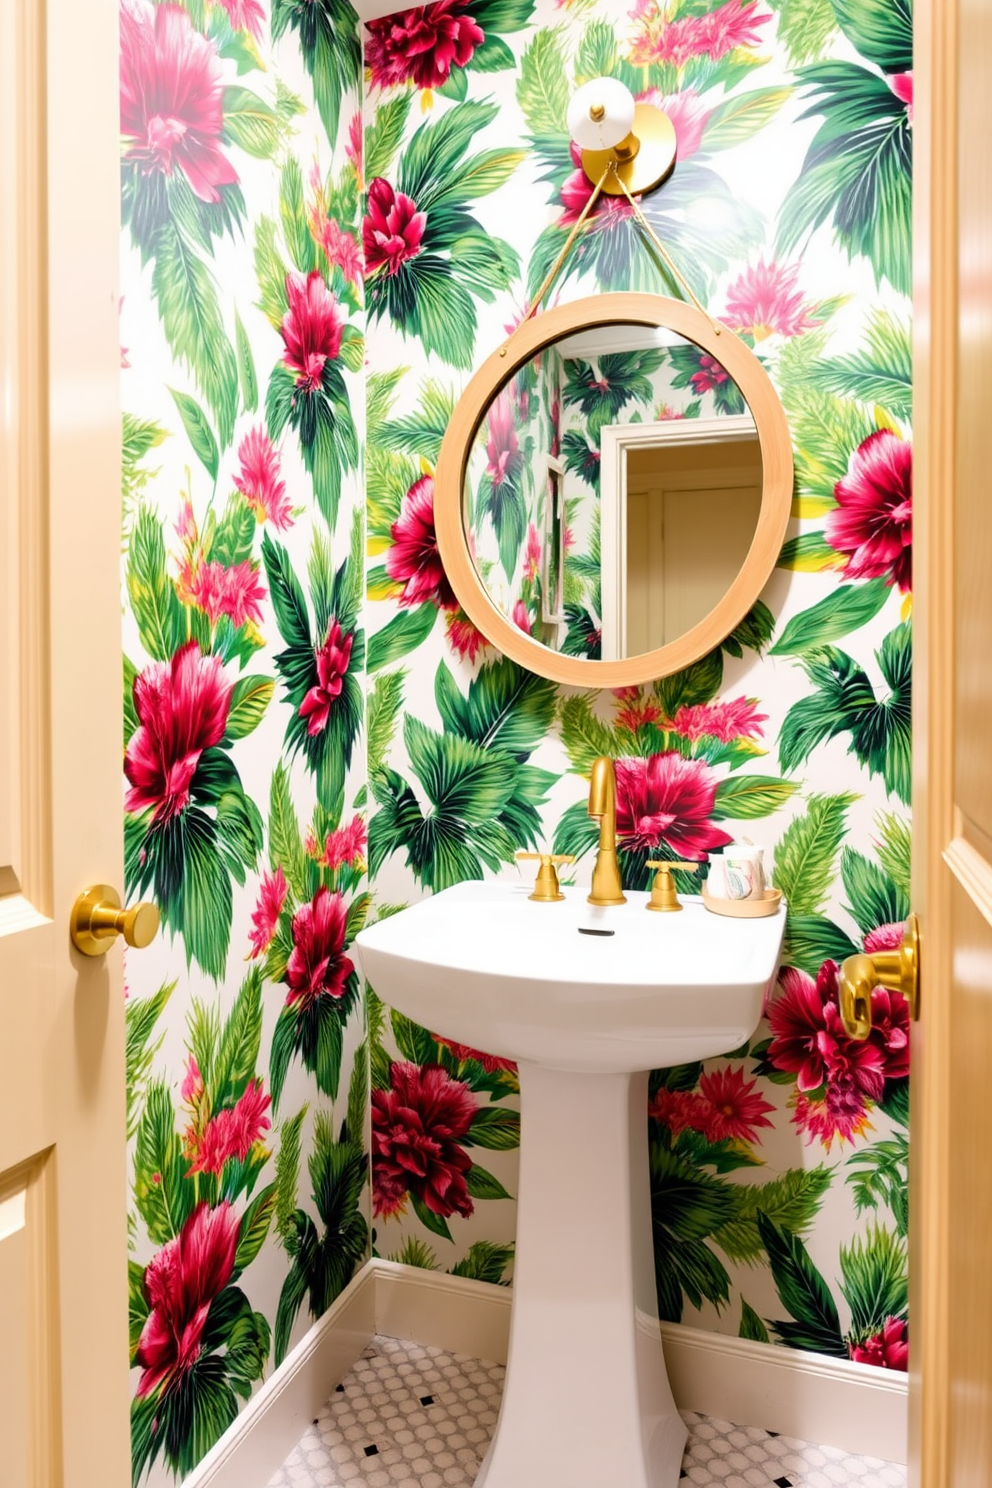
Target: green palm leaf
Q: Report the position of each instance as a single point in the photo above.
(331, 48)
(875, 1281)
(857, 171)
(803, 1292)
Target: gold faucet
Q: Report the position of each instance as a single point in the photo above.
(606, 886)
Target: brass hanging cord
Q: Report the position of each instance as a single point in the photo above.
(580, 223)
(663, 253)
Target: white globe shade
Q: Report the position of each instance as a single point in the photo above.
(608, 128)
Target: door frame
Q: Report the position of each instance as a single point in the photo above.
(616, 442)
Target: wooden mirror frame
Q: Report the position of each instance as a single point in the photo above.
(535, 336)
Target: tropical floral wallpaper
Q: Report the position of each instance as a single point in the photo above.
(242, 336)
(779, 1173)
(308, 745)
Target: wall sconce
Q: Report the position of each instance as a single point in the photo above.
(607, 125)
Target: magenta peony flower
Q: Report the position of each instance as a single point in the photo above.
(180, 1283)
(520, 617)
(680, 1110)
(764, 301)
(885, 938)
(232, 1133)
(172, 111)
(417, 1125)
(886, 1350)
(873, 520)
(346, 845)
(244, 15)
(637, 710)
(182, 707)
(392, 230)
(842, 1112)
(341, 249)
(311, 328)
(260, 479)
(333, 658)
(490, 1062)
(464, 638)
(667, 799)
(265, 916)
(234, 592)
(421, 45)
(738, 719)
(809, 1039)
(736, 1110)
(317, 964)
(503, 456)
(712, 374)
(414, 560)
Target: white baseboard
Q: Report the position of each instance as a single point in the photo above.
(272, 1422)
(855, 1407)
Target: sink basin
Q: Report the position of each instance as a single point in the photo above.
(587, 1000)
(483, 964)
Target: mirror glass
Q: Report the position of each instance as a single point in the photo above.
(612, 491)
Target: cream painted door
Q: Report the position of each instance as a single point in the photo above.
(951, 1237)
(63, 1293)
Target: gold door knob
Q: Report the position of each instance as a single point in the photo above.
(899, 970)
(97, 919)
(663, 895)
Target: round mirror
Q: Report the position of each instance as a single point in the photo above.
(613, 490)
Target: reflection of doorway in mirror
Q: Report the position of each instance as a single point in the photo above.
(680, 505)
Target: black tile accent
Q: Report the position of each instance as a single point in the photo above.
(782, 1482)
(315, 1420)
(372, 1451)
(339, 1389)
(683, 1473)
(767, 1433)
(427, 1399)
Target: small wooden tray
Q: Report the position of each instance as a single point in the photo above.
(745, 909)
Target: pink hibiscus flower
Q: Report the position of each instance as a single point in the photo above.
(521, 619)
(354, 145)
(311, 328)
(689, 116)
(417, 1127)
(658, 39)
(234, 592)
(737, 719)
(392, 229)
(317, 964)
(342, 250)
(244, 15)
(667, 799)
(346, 845)
(764, 300)
(736, 1109)
(182, 707)
(260, 479)
(172, 92)
(901, 84)
(873, 520)
(414, 560)
(841, 1113)
(421, 45)
(265, 916)
(712, 374)
(680, 1110)
(332, 658)
(503, 456)
(637, 709)
(232, 1133)
(888, 1349)
(180, 1283)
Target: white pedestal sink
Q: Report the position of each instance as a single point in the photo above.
(587, 1403)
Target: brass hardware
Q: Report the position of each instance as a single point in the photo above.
(663, 895)
(899, 970)
(97, 919)
(606, 885)
(643, 160)
(597, 113)
(547, 890)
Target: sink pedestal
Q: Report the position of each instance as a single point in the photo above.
(587, 1403)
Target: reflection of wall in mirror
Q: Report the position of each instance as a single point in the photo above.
(624, 387)
(509, 494)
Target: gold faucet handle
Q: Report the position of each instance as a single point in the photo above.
(663, 895)
(547, 889)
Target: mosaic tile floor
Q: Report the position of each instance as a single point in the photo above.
(409, 1416)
